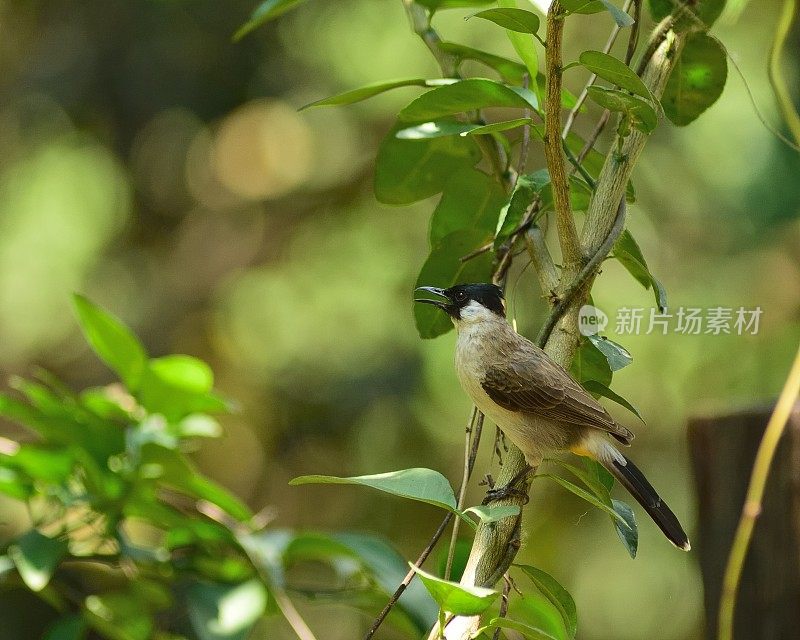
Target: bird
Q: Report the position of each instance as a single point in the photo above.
(540, 407)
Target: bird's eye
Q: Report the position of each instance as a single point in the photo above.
(461, 296)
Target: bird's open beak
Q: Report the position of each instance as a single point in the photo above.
(442, 304)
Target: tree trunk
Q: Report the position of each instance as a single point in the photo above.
(723, 450)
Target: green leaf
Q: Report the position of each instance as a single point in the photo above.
(263, 13)
(119, 615)
(595, 387)
(467, 95)
(410, 170)
(67, 628)
(583, 494)
(597, 472)
(471, 200)
(628, 253)
(45, 464)
(439, 128)
(487, 513)
(177, 386)
(596, 6)
(508, 69)
(695, 16)
(518, 20)
(556, 594)
(36, 557)
(444, 268)
(609, 68)
(13, 484)
(697, 79)
(172, 468)
(526, 189)
(455, 598)
(423, 485)
(597, 487)
(225, 611)
(620, 17)
(529, 632)
(112, 341)
(590, 363)
(527, 52)
(617, 356)
(642, 115)
(365, 92)
(629, 532)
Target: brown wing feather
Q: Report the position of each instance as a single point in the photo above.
(529, 381)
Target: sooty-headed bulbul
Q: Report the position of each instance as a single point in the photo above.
(536, 403)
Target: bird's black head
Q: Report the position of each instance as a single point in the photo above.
(460, 296)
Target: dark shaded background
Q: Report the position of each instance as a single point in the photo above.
(164, 171)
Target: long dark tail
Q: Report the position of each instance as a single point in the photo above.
(638, 486)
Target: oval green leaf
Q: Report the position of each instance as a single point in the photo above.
(598, 388)
(467, 95)
(471, 200)
(609, 68)
(518, 20)
(551, 589)
(263, 13)
(36, 557)
(420, 484)
(365, 92)
(617, 356)
(696, 81)
(642, 115)
(456, 598)
(629, 532)
(489, 513)
(583, 494)
(112, 341)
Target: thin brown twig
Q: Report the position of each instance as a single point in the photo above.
(503, 604)
(462, 490)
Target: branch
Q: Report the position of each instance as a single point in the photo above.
(755, 494)
(494, 544)
(567, 233)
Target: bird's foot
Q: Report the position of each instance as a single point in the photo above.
(501, 493)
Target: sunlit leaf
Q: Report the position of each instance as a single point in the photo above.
(467, 95)
(454, 597)
(410, 170)
(444, 268)
(225, 611)
(365, 92)
(112, 341)
(697, 79)
(263, 13)
(629, 532)
(509, 69)
(556, 594)
(617, 356)
(614, 70)
(36, 557)
(598, 388)
(423, 485)
(518, 20)
(177, 386)
(642, 115)
(471, 200)
(436, 129)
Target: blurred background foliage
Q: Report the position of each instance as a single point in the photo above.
(165, 171)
